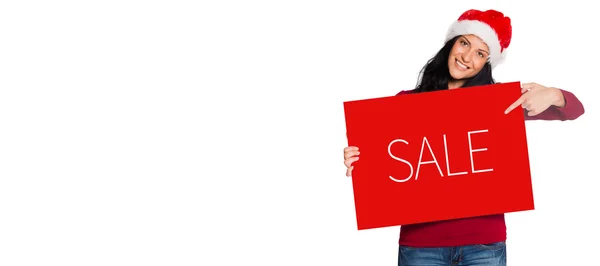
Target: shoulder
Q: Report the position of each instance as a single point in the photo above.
(405, 92)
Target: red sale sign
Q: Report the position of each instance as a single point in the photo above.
(439, 155)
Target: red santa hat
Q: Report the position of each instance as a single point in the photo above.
(491, 26)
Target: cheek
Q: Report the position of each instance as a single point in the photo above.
(479, 63)
(456, 49)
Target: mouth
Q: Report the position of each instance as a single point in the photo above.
(460, 65)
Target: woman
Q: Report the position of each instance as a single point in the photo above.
(475, 44)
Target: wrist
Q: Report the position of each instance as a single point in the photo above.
(559, 100)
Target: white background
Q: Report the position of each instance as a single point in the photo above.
(211, 133)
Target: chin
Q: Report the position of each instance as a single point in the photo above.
(457, 75)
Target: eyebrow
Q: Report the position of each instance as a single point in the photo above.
(466, 40)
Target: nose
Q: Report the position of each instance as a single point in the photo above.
(467, 56)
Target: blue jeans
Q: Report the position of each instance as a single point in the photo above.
(493, 254)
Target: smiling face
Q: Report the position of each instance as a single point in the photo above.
(467, 57)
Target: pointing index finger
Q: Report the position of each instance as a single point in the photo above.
(515, 104)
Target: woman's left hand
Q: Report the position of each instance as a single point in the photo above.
(537, 98)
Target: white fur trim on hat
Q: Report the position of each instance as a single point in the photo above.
(483, 31)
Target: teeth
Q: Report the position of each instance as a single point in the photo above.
(461, 65)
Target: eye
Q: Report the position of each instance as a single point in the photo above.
(463, 42)
(480, 54)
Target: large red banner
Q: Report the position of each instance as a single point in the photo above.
(439, 155)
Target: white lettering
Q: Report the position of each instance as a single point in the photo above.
(448, 160)
(400, 159)
(426, 162)
(477, 150)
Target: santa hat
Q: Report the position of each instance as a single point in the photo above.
(491, 26)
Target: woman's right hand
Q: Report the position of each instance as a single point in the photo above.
(350, 156)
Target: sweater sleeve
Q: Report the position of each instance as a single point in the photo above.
(572, 109)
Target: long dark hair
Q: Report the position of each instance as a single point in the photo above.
(435, 74)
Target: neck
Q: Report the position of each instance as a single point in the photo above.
(454, 84)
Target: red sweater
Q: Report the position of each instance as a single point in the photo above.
(485, 229)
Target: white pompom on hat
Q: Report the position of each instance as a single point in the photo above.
(491, 26)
